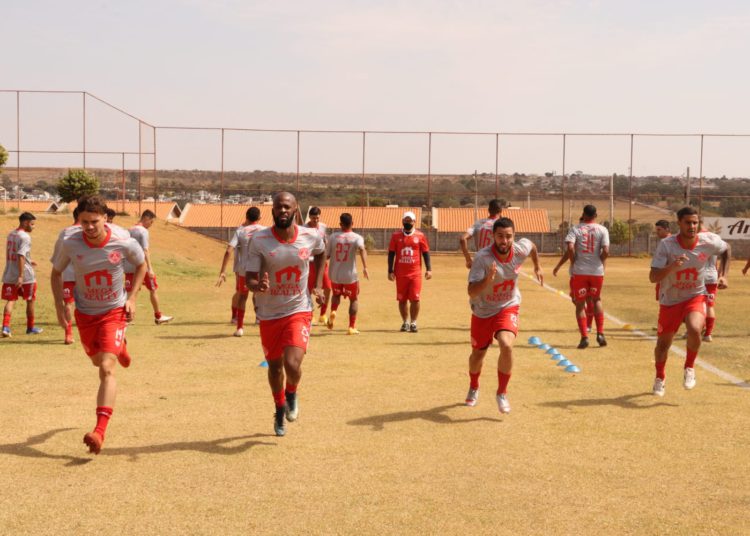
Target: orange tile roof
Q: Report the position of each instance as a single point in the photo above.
(526, 220)
(165, 210)
(26, 206)
(210, 215)
(369, 217)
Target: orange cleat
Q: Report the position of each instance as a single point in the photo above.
(124, 357)
(94, 442)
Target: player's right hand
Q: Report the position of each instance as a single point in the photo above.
(391, 276)
(468, 263)
(222, 278)
(555, 270)
(491, 272)
(679, 261)
(264, 283)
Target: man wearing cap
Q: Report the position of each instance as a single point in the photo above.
(405, 248)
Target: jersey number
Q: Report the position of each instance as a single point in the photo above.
(342, 251)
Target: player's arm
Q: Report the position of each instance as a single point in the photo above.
(320, 264)
(477, 287)
(604, 254)
(138, 277)
(565, 258)
(724, 259)
(224, 262)
(427, 265)
(56, 284)
(149, 267)
(464, 243)
(657, 274)
(534, 254)
(391, 259)
(363, 256)
(571, 247)
(746, 268)
(21, 260)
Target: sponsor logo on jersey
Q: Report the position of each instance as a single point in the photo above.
(304, 254)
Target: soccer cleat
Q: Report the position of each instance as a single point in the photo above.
(33, 331)
(291, 407)
(239, 333)
(163, 319)
(278, 422)
(688, 381)
(6, 332)
(588, 329)
(353, 331)
(124, 358)
(413, 327)
(502, 404)
(404, 327)
(94, 442)
(322, 320)
(708, 338)
(584, 343)
(331, 319)
(600, 340)
(659, 387)
(472, 396)
(69, 338)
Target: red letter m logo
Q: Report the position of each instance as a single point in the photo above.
(689, 273)
(100, 277)
(290, 273)
(507, 284)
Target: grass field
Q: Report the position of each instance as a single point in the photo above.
(384, 443)
(623, 210)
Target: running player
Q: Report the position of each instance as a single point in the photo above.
(240, 243)
(712, 288)
(140, 233)
(96, 251)
(69, 274)
(679, 265)
(481, 231)
(566, 256)
(495, 300)
(19, 278)
(588, 245)
(278, 265)
(342, 249)
(315, 223)
(405, 248)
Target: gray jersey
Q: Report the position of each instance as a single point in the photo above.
(481, 231)
(241, 242)
(503, 292)
(690, 280)
(140, 234)
(342, 250)
(288, 267)
(589, 240)
(18, 246)
(100, 276)
(69, 274)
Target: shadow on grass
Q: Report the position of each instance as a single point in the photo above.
(434, 415)
(625, 402)
(416, 342)
(215, 446)
(227, 335)
(27, 449)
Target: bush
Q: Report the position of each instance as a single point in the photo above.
(369, 242)
(75, 183)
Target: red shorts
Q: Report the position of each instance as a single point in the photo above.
(671, 316)
(240, 285)
(711, 291)
(586, 286)
(347, 290)
(27, 291)
(68, 296)
(148, 281)
(293, 330)
(408, 288)
(102, 333)
(312, 276)
(483, 329)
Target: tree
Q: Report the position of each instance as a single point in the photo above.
(75, 183)
(3, 156)
(619, 233)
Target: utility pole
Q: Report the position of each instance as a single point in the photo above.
(612, 200)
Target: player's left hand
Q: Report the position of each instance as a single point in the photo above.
(33, 263)
(130, 310)
(539, 275)
(723, 284)
(428, 274)
(222, 279)
(364, 272)
(320, 297)
(151, 274)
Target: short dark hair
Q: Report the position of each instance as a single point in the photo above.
(314, 211)
(589, 212)
(686, 211)
(664, 224)
(503, 223)
(148, 214)
(494, 207)
(252, 214)
(93, 204)
(110, 212)
(77, 210)
(26, 216)
(346, 219)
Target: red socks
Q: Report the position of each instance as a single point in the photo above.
(709, 325)
(234, 313)
(279, 398)
(69, 328)
(600, 323)
(334, 306)
(240, 318)
(692, 355)
(6, 320)
(157, 315)
(291, 388)
(323, 308)
(103, 414)
(352, 321)
(474, 381)
(660, 369)
(589, 314)
(582, 326)
(502, 382)
(29, 322)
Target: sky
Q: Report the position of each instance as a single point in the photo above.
(528, 66)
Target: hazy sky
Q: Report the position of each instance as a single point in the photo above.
(521, 66)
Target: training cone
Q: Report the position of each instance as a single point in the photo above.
(536, 341)
(627, 327)
(552, 351)
(544, 347)
(557, 357)
(572, 368)
(564, 363)
(263, 364)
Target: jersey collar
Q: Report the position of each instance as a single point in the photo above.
(497, 255)
(281, 240)
(104, 242)
(683, 246)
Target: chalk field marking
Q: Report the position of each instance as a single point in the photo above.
(674, 349)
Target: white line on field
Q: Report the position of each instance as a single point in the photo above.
(675, 349)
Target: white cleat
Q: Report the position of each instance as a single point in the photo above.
(708, 338)
(163, 319)
(239, 333)
(502, 404)
(688, 381)
(472, 397)
(659, 387)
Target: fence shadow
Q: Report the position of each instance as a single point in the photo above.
(434, 415)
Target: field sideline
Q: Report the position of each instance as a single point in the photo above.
(384, 443)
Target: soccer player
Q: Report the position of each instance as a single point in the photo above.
(588, 247)
(96, 251)
(566, 256)
(19, 278)
(68, 275)
(342, 249)
(712, 287)
(495, 300)
(481, 231)
(110, 215)
(322, 228)
(405, 248)
(240, 243)
(679, 265)
(278, 265)
(140, 233)
(662, 232)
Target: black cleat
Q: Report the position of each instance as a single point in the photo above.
(584, 343)
(600, 339)
(413, 327)
(405, 326)
(278, 422)
(291, 408)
